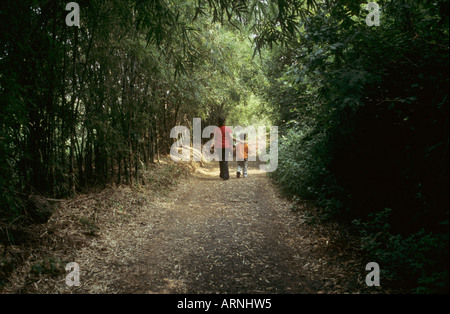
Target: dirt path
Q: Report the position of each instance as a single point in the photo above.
(235, 236)
(210, 236)
(221, 237)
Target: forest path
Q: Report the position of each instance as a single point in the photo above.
(202, 235)
(218, 236)
(215, 236)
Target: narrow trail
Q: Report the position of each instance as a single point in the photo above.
(235, 236)
(204, 235)
(222, 237)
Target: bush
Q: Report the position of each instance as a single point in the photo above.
(298, 172)
(412, 261)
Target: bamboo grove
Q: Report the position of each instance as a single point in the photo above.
(94, 104)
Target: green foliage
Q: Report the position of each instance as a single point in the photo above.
(48, 266)
(86, 106)
(296, 148)
(364, 115)
(414, 261)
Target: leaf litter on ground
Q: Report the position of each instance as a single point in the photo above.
(198, 235)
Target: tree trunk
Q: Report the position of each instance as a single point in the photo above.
(72, 115)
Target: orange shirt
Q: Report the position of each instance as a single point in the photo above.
(241, 151)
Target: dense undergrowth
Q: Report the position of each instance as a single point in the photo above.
(364, 115)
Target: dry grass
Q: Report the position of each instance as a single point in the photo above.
(85, 229)
(202, 235)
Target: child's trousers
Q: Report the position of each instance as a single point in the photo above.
(242, 167)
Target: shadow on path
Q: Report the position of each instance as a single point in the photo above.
(234, 236)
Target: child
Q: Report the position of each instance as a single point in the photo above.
(242, 156)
